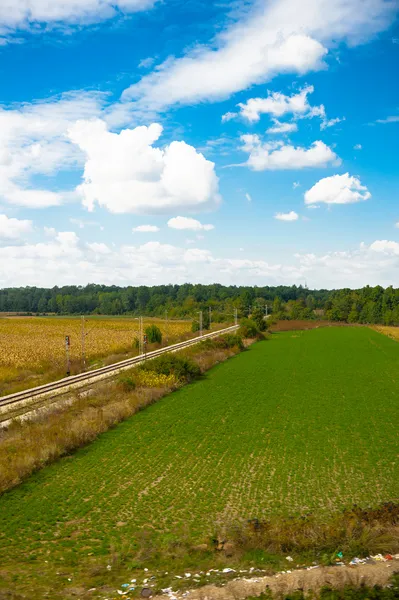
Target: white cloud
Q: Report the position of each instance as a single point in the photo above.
(146, 229)
(337, 189)
(392, 119)
(228, 116)
(282, 127)
(326, 123)
(12, 229)
(385, 246)
(357, 147)
(31, 14)
(295, 185)
(50, 231)
(146, 63)
(290, 216)
(248, 197)
(33, 142)
(277, 104)
(275, 37)
(82, 223)
(277, 155)
(397, 224)
(49, 264)
(99, 248)
(188, 223)
(126, 173)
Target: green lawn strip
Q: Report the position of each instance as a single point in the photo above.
(304, 422)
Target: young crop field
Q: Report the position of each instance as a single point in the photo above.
(305, 422)
(32, 346)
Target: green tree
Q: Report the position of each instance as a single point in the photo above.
(259, 317)
(154, 334)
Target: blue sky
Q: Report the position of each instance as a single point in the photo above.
(146, 142)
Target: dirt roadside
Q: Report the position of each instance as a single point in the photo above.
(285, 583)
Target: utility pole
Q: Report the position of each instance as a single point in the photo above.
(200, 323)
(210, 318)
(68, 362)
(266, 309)
(235, 316)
(145, 346)
(166, 328)
(141, 336)
(83, 344)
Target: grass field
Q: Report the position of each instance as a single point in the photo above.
(31, 347)
(304, 422)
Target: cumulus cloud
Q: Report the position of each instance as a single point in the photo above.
(277, 105)
(98, 248)
(282, 127)
(284, 36)
(145, 229)
(337, 189)
(48, 264)
(126, 173)
(12, 229)
(228, 116)
(37, 15)
(385, 246)
(278, 155)
(188, 223)
(290, 216)
(33, 142)
(357, 147)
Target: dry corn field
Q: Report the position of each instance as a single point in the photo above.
(392, 332)
(30, 346)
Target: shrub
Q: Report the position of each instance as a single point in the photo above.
(259, 318)
(154, 334)
(127, 383)
(248, 328)
(229, 340)
(154, 380)
(182, 367)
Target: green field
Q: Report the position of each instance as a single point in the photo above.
(304, 422)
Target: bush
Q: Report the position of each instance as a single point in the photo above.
(205, 323)
(154, 334)
(259, 317)
(182, 367)
(229, 340)
(248, 329)
(126, 383)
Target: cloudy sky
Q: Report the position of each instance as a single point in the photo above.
(155, 141)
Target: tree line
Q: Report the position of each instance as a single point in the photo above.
(374, 305)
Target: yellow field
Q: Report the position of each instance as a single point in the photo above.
(35, 345)
(392, 332)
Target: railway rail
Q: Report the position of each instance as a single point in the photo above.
(20, 403)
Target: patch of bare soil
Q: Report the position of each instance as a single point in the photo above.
(302, 579)
(302, 325)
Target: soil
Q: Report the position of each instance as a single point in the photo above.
(302, 579)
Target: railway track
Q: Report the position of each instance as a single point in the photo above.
(21, 403)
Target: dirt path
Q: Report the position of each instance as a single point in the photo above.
(280, 584)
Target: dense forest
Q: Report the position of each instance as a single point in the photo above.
(366, 305)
